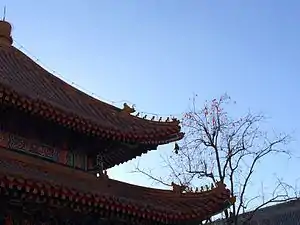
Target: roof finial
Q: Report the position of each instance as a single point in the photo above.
(4, 13)
(5, 32)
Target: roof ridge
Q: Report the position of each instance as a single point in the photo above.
(80, 92)
(58, 79)
(32, 88)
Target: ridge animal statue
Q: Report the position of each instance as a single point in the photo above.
(179, 188)
(127, 109)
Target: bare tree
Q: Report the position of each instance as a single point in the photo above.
(218, 147)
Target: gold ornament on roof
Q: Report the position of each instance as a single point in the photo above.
(5, 33)
(127, 109)
(178, 188)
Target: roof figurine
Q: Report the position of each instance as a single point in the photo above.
(5, 33)
(128, 109)
(54, 139)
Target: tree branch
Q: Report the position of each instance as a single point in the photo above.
(218, 147)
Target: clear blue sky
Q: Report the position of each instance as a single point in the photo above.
(156, 54)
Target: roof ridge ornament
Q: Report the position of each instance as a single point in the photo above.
(127, 109)
(4, 13)
(178, 189)
(5, 33)
(185, 189)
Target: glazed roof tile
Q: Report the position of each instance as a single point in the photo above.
(42, 91)
(29, 86)
(167, 203)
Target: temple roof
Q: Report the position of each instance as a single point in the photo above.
(28, 86)
(45, 178)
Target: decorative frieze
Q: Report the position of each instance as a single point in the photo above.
(63, 156)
